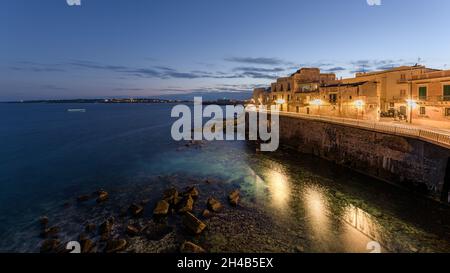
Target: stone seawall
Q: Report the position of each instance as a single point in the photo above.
(411, 162)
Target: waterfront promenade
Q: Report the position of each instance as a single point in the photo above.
(431, 134)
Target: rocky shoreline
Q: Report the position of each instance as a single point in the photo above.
(133, 229)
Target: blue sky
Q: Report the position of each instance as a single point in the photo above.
(140, 48)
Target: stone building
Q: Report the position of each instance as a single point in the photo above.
(430, 102)
(394, 88)
(415, 93)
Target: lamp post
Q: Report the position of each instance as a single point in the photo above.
(318, 103)
(359, 104)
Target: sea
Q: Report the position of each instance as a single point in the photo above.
(290, 202)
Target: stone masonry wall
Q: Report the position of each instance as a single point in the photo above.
(398, 159)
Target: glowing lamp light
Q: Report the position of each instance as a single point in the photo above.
(411, 103)
(250, 107)
(317, 102)
(280, 101)
(359, 103)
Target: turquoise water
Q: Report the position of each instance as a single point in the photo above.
(290, 202)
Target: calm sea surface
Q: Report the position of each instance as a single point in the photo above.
(290, 202)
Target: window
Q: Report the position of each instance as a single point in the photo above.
(298, 109)
(281, 88)
(402, 93)
(289, 97)
(289, 87)
(422, 111)
(423, 93)
(446, 92)
(274, 97)
(333, 98)
(391, 104)
(447, 112)
(350, 97)
(307, 110)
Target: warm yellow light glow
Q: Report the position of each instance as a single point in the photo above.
(359, 103)
(411, 103)
(250, 107)
(317, 102)
(280, 101)
(279, 189)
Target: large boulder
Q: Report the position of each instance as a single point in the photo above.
(192, 191)
(189, 247)
(162, 208)
(234, 197)
(213, 204)
(171, 196)
(186, 205)
(193, 224)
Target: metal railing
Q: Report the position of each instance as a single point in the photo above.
(427, 134)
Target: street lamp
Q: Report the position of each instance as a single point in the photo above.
(318, 103)
(412, 104)
(359, 104)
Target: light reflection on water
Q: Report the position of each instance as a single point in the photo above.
(330, 226)
(279, 190)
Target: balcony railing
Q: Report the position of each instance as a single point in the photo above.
(432, 98)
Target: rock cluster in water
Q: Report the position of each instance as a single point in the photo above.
(110, 236)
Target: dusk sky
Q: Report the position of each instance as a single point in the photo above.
(142, 48)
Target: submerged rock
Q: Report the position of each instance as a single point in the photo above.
(49, 232)
(193, 224)
(106, 228)
(234, 197)
(102, 196)
(214, 204)
(87, 245)
(50, 246)
(186, 205)
(132, 230)
(43, 221)
(136, 209)
(192, 191)
(189, 247)
(83, 198)
(90, 227)
(162, 208)
(114, 246)
(206, 213)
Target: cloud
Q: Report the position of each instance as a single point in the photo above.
(335, 69)
(260, 60)
(258, 69)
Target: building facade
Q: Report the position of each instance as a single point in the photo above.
(415, 94)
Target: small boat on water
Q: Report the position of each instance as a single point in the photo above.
(76, 110)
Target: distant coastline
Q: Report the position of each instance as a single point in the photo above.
(129, 101)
